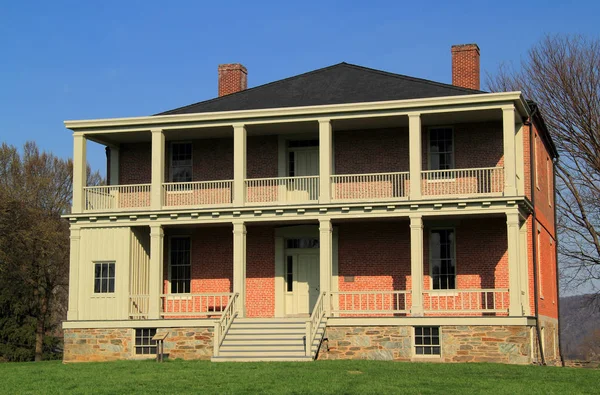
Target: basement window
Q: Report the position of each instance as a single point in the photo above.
(144, 345)
(427, 340)
(104, 277)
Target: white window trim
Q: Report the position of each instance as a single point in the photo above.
(428, 152)
(426, 356)
(103, 294)
(443, 292)
(181, 296)
(171, 143)
(141, 356)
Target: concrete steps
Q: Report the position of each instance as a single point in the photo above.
(266, 339)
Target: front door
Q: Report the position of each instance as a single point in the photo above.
(302, 282)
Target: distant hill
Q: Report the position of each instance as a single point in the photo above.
(579, 317)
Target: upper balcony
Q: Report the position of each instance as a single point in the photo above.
(412, 156)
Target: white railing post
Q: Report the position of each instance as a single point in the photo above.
(325, 258)
(216, 337)
(156, 270)
(325, 160)
(308, 337)
(416, 264)
(239, 164)
(158, 168)
(79, 172)
(239, 265)
(415, 153)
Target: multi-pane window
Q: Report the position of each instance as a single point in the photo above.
(104, 277)
(443, 265)
(427, 340)
(181, 162)
(289, 274)
(144, 345)
(180, 264)
(441, 149)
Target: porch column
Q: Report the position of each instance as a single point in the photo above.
(72, 313)
(415, 155)
(509, 128)
(514, 283)
(325, 160)
(325, 259)
(155, 288)
(416, 265)
(239, 164)
(79, 172)
(158, 169)
(239, 265)
(524, 269)
(114, 165)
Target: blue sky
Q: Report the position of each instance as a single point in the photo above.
(78, 60)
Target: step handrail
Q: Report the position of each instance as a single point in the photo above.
(313, 324)
(224, 323)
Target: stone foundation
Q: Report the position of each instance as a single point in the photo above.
(503, 344)
(89, 345)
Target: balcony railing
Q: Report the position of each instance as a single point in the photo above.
(370, 186)
(194, 305)
(463, 182)
(204, 193)
(139, 306)
(117, 197)
(466, 301)
(369, 302)
(282, 190)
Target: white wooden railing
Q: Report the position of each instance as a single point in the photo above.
(477, 181)
(370, 186)
(369, 302)
(222, 326)
(314, 323)
(139, 306)
(115, 197)
(194, 305)
(466, 301)
(201, 193)
(282, 190)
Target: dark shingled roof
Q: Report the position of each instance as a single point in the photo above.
(337, 84)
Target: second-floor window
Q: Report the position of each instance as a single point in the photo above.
(441, 148)
(180, 265)
(442, 258)
(181, 162)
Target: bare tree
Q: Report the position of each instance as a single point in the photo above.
(562, 74)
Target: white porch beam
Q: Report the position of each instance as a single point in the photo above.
(325, 160)
(239, 164)
(158, 169)
(325, 259)
(155, 288)
(239, 265)
(416, 265)
(79, 172)
(515, 307)
(415, 155)
(509, 137)
(73, 312)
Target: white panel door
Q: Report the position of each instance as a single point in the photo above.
(306, 283)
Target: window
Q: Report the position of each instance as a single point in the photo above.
(104, 277)
(181, 162)
(144, 345)
(307, 242)
(289, 274)
(548, 176)
(539, 263)
(443, 265)
(427, 340)
(535, 159)
(441, 149)
(180, 264)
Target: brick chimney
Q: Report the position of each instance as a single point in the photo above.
(465, 66)
(232, 78)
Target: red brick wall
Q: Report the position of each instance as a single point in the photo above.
(135, 163)
(546, 259)
(212, 159)
(262, 154)
(465, 66)
(260, 271)
(543, 183)
(232, 78)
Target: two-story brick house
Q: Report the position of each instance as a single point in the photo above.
(397, 217)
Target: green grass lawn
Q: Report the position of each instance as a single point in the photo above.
(326, 377)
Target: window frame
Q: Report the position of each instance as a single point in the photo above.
(535, 159)
(171, 145)
(108, 278)
(430, 258)
(548, 173)
(415, 345)
(141, 346)
(170, 264)
(539, 263)
(453, 166)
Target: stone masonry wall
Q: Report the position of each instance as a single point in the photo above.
(91, 345)
(502, 344)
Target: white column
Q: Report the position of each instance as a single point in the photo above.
(416, 264)
(325, 259)
(79, 172)
(239, 265)
(524, 280)
(508, 122)
(415, 155)
(114, 165)
(325, 160)
(72, 313)
(239, 164)
(514, 271)
(155, 288)
(158, 169)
